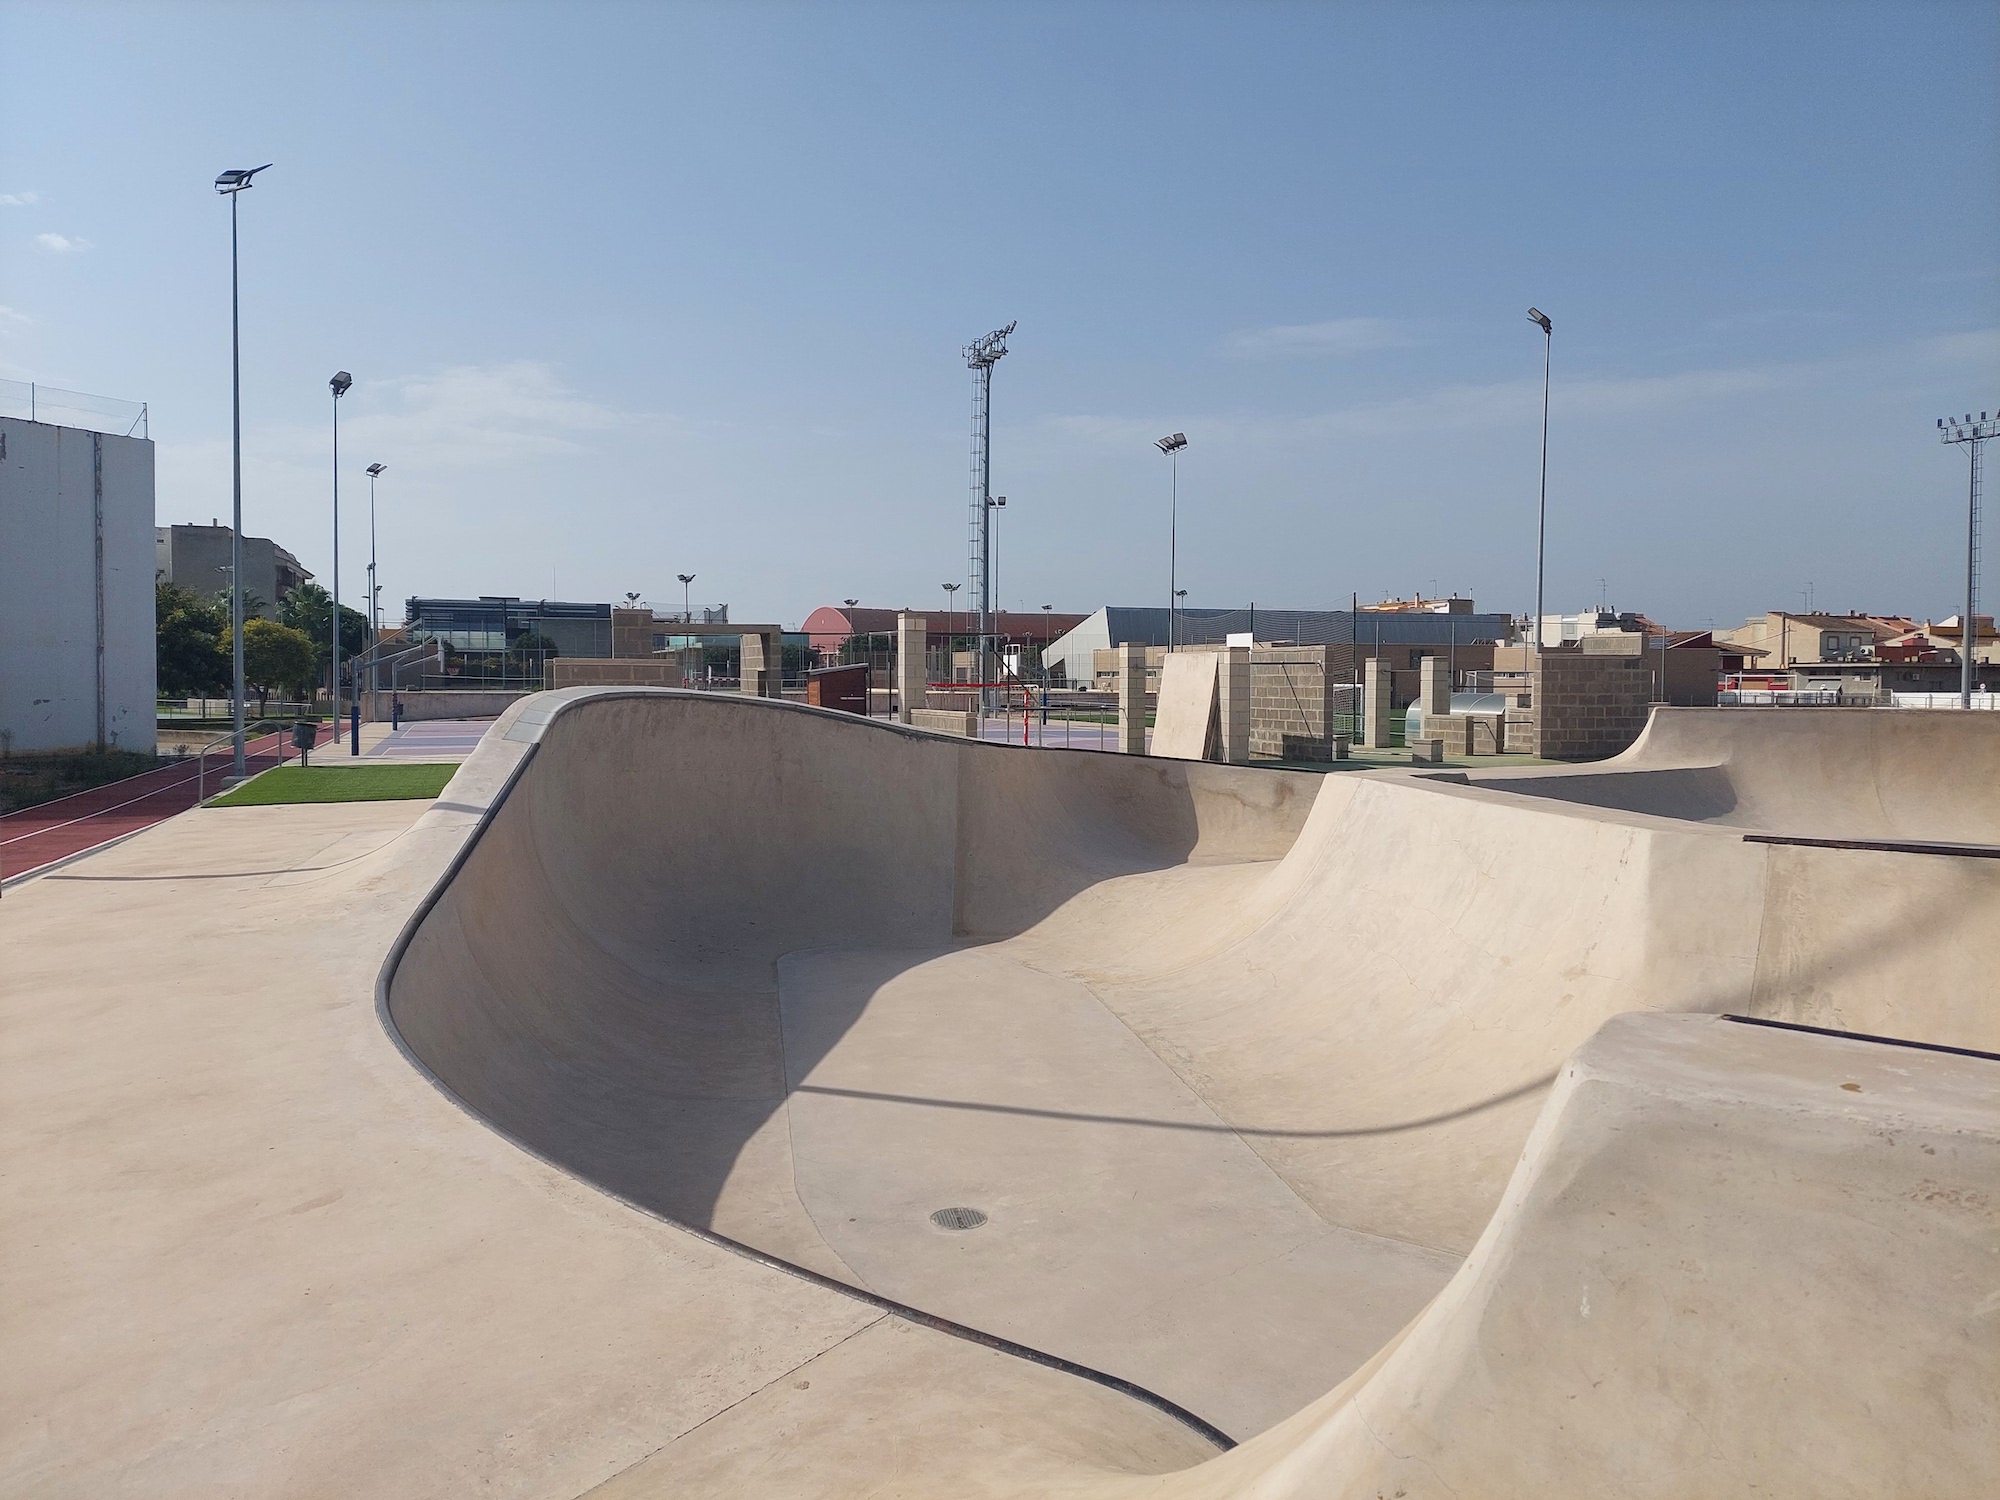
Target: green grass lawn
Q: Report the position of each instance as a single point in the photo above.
(338, 784)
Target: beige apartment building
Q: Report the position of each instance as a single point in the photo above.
(1788, 639)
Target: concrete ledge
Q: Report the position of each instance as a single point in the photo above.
(964, 722)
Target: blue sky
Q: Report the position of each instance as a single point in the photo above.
(631, 291)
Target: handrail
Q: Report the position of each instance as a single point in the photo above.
(250, 732)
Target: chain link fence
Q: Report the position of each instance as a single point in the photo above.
(59, 408)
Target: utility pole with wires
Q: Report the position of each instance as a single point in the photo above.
(1972, 434)
(981, 357)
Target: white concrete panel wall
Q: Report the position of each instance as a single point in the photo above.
(49, 597)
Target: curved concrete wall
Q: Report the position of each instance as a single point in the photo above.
(1378, 1012)
(1374, 981)
(599, 977)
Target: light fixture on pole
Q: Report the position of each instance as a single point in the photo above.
(229, 184)
(687, 599)
(339, 386)
(375, 472)
(1541, 320)
(1171, 445)
(1972, 434)
(998, 504)
(981, 357)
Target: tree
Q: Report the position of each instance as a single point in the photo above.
(253, 602)
(309, 608)
(277, 656)
(189, 649)
(532, 643)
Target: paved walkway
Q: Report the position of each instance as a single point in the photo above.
(269, 1259)
(36, 837)
(430, 739)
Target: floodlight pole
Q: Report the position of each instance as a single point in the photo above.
(229, 184)
(375, 472)
(1972, 434)
(1173, 542)
(982, 356)
(1171, 445)
(1542, 507)
(338, 385)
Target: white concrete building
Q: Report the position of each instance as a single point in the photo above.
(76, 588)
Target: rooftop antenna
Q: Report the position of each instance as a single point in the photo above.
(981, 356)
(1972, 434)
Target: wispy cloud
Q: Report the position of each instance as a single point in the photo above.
(19, 200)
(1334, 339)
(11, 315)
(1471, 407)
(467, 417)
(1774, 317)
(62, 244)
(1457, 408)
(1979, 346)
(481, 414)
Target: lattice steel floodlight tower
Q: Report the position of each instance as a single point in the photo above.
(981, 357)
(229, 184)
(1972, 434)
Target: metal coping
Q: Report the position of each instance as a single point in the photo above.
(1862, 1036)
(1881, 846)
(386, 977)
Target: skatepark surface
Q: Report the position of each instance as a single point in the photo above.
(1387, 1124)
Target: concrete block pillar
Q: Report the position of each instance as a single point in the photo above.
(911, 634)
(1232, 691)
(1435, 688)
(762, 673)
(1132, 699)
(1375, 703)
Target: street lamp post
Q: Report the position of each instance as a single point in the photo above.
(1540, 318)
(994, 506)
(375, 472)
(339, 386)
(229, 184)
(1171, 445)
(687, 599)
(949, 590)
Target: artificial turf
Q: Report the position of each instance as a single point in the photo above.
(338, 784)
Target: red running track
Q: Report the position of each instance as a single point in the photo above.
(39, 836)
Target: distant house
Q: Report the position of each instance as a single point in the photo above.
(1787, 639)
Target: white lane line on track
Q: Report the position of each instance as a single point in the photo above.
(100, 812)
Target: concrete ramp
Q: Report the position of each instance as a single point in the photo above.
(1236, 1068)
(1730, 1262)
(1835, 773)
(1185, 724)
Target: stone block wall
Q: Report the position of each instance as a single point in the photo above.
(1581, 706)
(604, 671)
(1293, 705)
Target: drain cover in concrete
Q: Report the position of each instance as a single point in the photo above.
(958, 1218)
